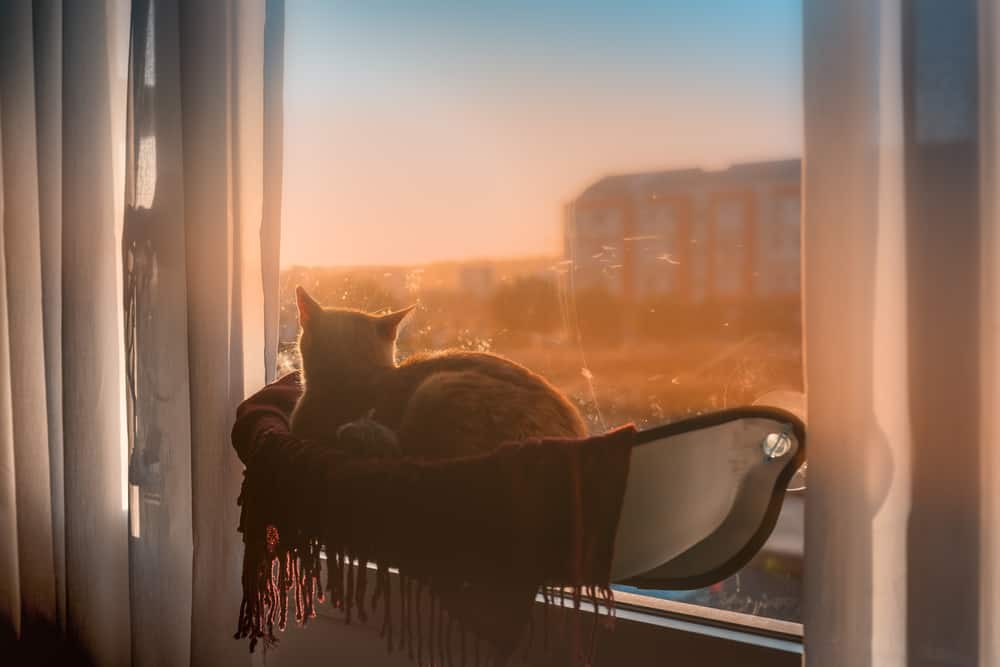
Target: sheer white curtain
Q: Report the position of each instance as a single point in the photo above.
(64, 569)
(901, 313)
(147, 181)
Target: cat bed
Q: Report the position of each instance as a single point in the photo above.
(465, 545)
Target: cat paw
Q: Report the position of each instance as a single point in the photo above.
(367, 438)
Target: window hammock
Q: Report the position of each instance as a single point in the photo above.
(473, 540)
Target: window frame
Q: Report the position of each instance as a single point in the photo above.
(645, 631)
(711, 636)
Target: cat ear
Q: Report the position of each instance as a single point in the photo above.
(309, 309)
(388, 324)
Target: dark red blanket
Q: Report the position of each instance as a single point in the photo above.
(477, 536)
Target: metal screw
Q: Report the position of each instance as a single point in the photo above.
(776, 445)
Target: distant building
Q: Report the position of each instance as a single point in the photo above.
(694, 234)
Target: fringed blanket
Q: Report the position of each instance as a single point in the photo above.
(473, 540)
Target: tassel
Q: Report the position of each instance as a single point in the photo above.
(593, 635)
(432, 636)
(433, 627)
(531, 638)
(545, 617)
(380, 579)
(461, 632)
(402, 612)
(321, 591)
(387, 618)
(300, 604)
(345, 578)
(447, 639)
(282, 587)
(336, 581)
(349, 597)
(240, 624)
(310, 611)
(440, 635)
(409, 616)
(361, 586)
(420, 634)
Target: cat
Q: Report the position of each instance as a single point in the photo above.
(438, 405)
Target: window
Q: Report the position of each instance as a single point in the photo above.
(606, 194)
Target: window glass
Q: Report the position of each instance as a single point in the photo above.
(608, 193)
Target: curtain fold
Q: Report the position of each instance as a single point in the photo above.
(10, 579)
(900, 264)
(153, 217)
(22, 258)
(156, 334)
(65, 581)
(48, 25)
(96, 529)
(221, 221)
(197, 245)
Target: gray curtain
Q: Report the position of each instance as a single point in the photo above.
(902, 271)
(140, 151)
(200, 246)
(64, 567)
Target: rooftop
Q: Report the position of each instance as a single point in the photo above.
(676, 179)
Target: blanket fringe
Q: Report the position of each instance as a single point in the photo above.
(273, 571)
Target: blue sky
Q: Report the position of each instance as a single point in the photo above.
(418, 131)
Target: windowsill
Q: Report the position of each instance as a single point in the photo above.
(717, 624)
(730, 625)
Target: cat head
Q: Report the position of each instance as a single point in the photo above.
(335, 340)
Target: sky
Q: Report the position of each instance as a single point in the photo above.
(418, 131)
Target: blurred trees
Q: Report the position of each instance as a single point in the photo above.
(531, 310)
(528, 304)
(600, 316)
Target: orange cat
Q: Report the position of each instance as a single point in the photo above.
(439, 405)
